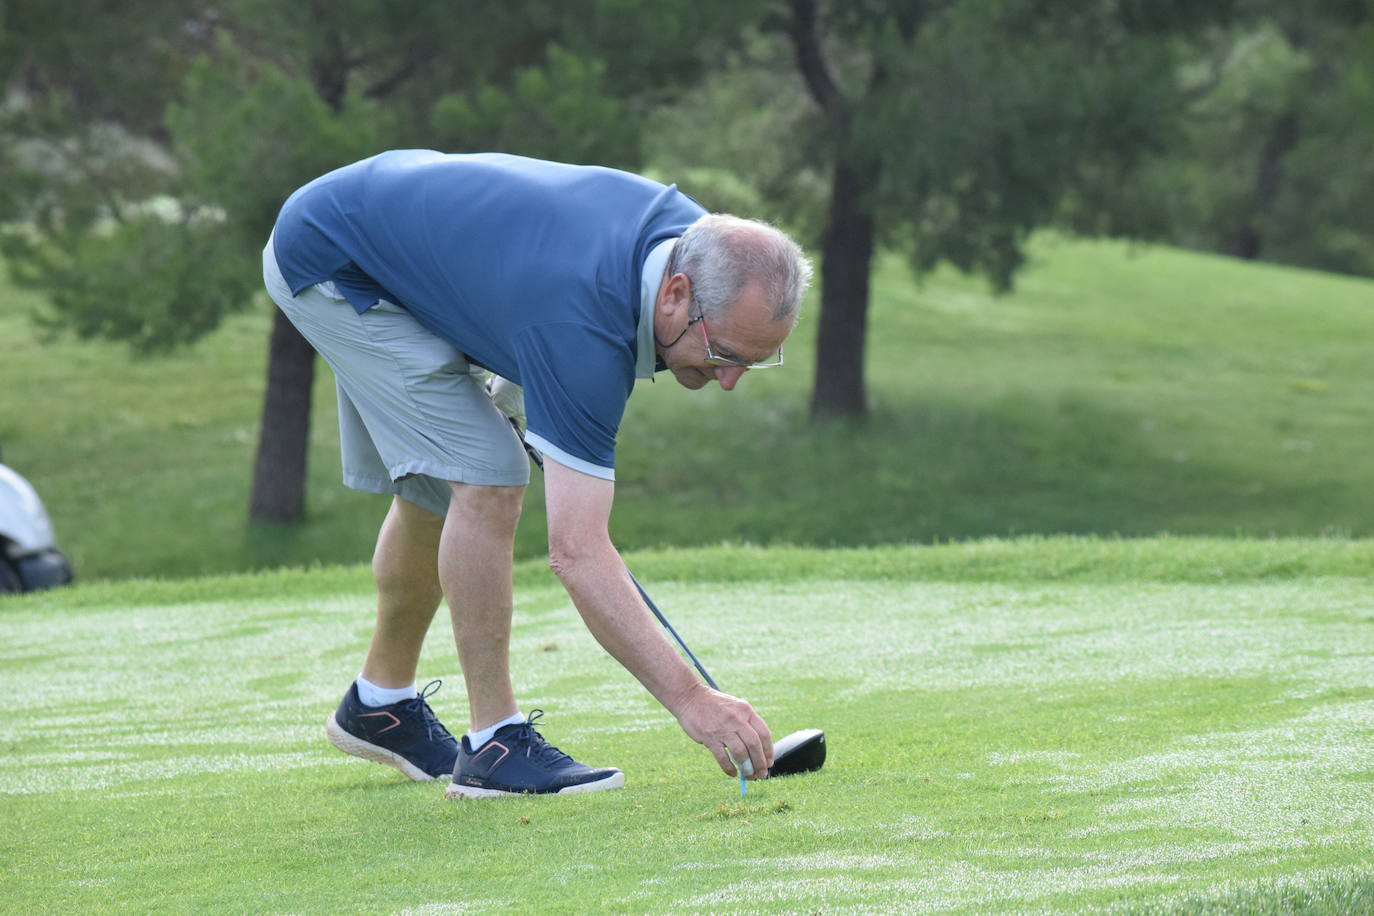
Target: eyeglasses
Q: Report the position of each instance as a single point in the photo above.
(729, 359)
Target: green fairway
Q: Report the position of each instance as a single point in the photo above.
(1139, 726)
(1119, 390)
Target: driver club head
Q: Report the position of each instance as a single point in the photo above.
(799, 752)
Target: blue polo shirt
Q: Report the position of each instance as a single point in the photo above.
(530, 268)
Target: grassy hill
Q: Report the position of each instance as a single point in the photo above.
(1061, 725)
(1120, 391)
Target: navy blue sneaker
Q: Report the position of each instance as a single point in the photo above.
(518, 761)
(404, 735)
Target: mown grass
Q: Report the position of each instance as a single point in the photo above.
(1150, 732)
(1120, 391)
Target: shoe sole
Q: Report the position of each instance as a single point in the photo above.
(352, 744)
(458, 790)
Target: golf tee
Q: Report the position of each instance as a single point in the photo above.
(740, 769)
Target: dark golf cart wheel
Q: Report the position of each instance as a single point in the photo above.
(9, 576)
(45, 569)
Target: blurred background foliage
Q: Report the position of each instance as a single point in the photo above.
(146, 148)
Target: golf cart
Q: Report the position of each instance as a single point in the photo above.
(29, 558)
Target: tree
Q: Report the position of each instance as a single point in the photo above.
(1272, 161)
(124, 235)
(247, 132)
(549, 79)
(957, 128)
(949, 129)
(146, 229)
(83, 150)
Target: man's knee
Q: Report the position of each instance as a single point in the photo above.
(490, 505)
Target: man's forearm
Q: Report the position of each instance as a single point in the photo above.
(611, 607)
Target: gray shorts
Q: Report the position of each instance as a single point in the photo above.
(412, 416)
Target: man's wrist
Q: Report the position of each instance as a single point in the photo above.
(684, 696)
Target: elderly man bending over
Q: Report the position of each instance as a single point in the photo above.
(414, 273)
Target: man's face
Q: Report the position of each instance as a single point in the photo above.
(745, 334)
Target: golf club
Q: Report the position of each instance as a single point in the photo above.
(800, 752)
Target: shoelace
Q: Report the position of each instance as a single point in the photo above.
(538, 748)
(419, 705)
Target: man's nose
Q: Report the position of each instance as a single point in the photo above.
(729, 376)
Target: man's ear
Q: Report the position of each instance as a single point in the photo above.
(677, 295)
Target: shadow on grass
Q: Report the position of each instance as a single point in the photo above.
(935, 472)
(757, 471)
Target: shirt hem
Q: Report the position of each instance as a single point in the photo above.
(549, 450)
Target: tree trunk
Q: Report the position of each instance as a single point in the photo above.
(846, 259)
(284, 437)
(1247, 241)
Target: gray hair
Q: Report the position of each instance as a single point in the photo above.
(721, 254)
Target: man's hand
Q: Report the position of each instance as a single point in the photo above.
(509, 398)
(721, 723)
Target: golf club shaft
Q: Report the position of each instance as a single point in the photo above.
(669, 627)
(539, 461)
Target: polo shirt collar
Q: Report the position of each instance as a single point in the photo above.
(646, 359)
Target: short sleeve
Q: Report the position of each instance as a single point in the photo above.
(577, 379)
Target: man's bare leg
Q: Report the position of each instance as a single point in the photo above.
(475, 569)
(475, 557)
(406, 569)
(401, 734)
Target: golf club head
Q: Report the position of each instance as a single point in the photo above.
(799, 752)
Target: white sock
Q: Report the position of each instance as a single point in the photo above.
(372, 695)
(482, 736)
